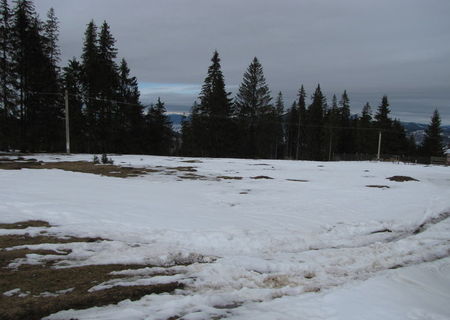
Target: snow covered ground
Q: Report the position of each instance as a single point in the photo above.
(312, 242)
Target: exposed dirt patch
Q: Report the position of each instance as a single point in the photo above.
(260, 177)
(259, 164)
(7, 241)
(297, 180)
(25, 224)
(377, 186)
(183, 169)
(192, 161)
(193, 176)
(401, 178)
(109, 170)
(35, 291)
(229, 178)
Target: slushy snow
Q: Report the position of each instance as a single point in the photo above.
(313, 242)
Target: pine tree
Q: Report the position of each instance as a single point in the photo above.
(73, 83)
(7, 80)
(301, 124)
(432, 144)
(160, 134)
(316, 149)
(128, 118)
(51, 36)
(346, 144)
(212, 127)
(333, 122)
(382, 116)
(278, 126)
(252, 107)
(40, 114)
(366, 138)
(89, 63)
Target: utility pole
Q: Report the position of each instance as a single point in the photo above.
(379, 145)
(66, 100)
(331, 142)
(298, 134)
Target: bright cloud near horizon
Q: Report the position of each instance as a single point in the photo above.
(400, 48)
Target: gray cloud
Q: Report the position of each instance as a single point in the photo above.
(400, 48)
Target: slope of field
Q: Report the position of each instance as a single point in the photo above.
(248, 239)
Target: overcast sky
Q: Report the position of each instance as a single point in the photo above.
(396, 47)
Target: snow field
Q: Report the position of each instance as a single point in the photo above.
(326, 248)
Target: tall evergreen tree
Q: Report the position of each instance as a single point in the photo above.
(432, 144)
(346, 144)
(128, 119)
(160, 134)
(366, 138)
(8, 83)
(211, 120)
(252, 107)
(89, 63)
(40, 113)
(51, 36)
(316, 148)
(382, 118)
(333, 130)
(73, 83)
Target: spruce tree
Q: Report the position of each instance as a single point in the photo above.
(211, 121)
(8, 83)
(128, 118)
(432, 144)
(346, 135)
(382, 118)
(252, 108)
(160, 134)
(73, 83)
(366, 138)
(301, 124)
(40, 109)
(316, 148)
(51, 36)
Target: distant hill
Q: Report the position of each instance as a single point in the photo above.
(417, 130)
(176, 121)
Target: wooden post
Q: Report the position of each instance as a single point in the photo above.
(379, 145)
(66, 100)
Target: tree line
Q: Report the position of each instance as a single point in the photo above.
(106, 115)
(252, 126)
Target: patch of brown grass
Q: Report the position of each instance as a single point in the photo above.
(229, 178)
(192, 176)
(36, 280)
(297, 180)
(261, 177)
(377, 186)
(183, 169)
(109, 170)
(401, 178)
(192, 161)
(25, 224)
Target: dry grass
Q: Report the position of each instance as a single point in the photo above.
(25, 224)
(183, 169)
(46, 290)
(78, 166)
(377, 186)
(229, 178)
(401, 178)
(261, 177)
(192, 161)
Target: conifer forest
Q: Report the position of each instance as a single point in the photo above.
(107, 116)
